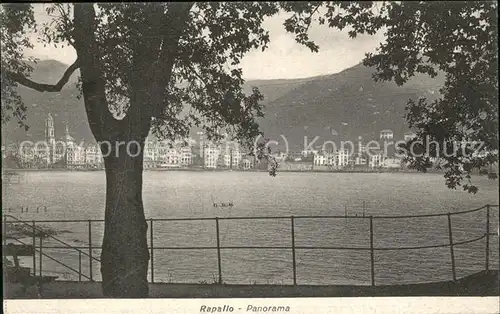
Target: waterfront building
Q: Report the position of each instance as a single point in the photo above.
(386, 134)
(236, 159)
(201, 145)
(377, 159)
(160, 153)
(171, 158)
(230, 156)
(392, 163)
(49, 137)
(151, 153)
(59, 152)
(75, 154)
(165, 153)
(93, 156)
(360, 158)
(343, 158)
(247, 162)
(331, 159)
(42, 155)
(227, 160)
(320, 159)
(27, 154)
(186, 156)
(211, 155)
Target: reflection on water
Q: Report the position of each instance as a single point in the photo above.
(72, 195)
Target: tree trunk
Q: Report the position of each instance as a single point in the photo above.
(125, 255)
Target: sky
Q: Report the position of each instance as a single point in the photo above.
(284, 58)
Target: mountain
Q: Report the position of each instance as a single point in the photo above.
(343, 106)
(334, 107)
(64, 106)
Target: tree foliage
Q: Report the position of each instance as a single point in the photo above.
(17, 22)
(168, 66)
(204, 85)
(459, 39)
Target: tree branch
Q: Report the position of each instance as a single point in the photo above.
(102, 123)
(193, 70)
(311, 16)
(174, 22)
(21, 79)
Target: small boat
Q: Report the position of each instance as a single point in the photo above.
(228, 204)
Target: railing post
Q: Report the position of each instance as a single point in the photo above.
(90, 250)
(79, 266)
(372, 259)
(487, 262)
(293, 253)
(452, 253)
(152, 250)
(41, 254)
(5, 231)
(34, 246)
(4, 234)
(218, 249)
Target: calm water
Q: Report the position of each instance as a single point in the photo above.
(80, 195)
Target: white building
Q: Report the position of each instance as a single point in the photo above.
(331, 159)
(186, 156)
(247, 162)
(75, 154)
(59, 151)
(42, 154)
(27, 153)
(151, 153)
(343, 158)
(376, 160)
(392, 163)
(93, 156)
(320, 159)
(230, 154)
(360, 157)
(50, 134)
(233, 159)
(172, 158)
(386, 134)
(211, 155)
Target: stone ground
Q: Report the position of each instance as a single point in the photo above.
(485, 283)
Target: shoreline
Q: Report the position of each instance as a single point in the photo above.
(13, 171)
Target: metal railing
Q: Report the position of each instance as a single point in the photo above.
(293, 247)
(43, 233)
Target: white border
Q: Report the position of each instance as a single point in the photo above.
(406, 305)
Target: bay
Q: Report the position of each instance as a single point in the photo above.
(190, 194)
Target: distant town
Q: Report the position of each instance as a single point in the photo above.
(66, 153)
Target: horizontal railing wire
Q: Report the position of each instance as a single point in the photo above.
(55, 260)
(273, 217)
(298, 247)
(293, 247)
(69, 246)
